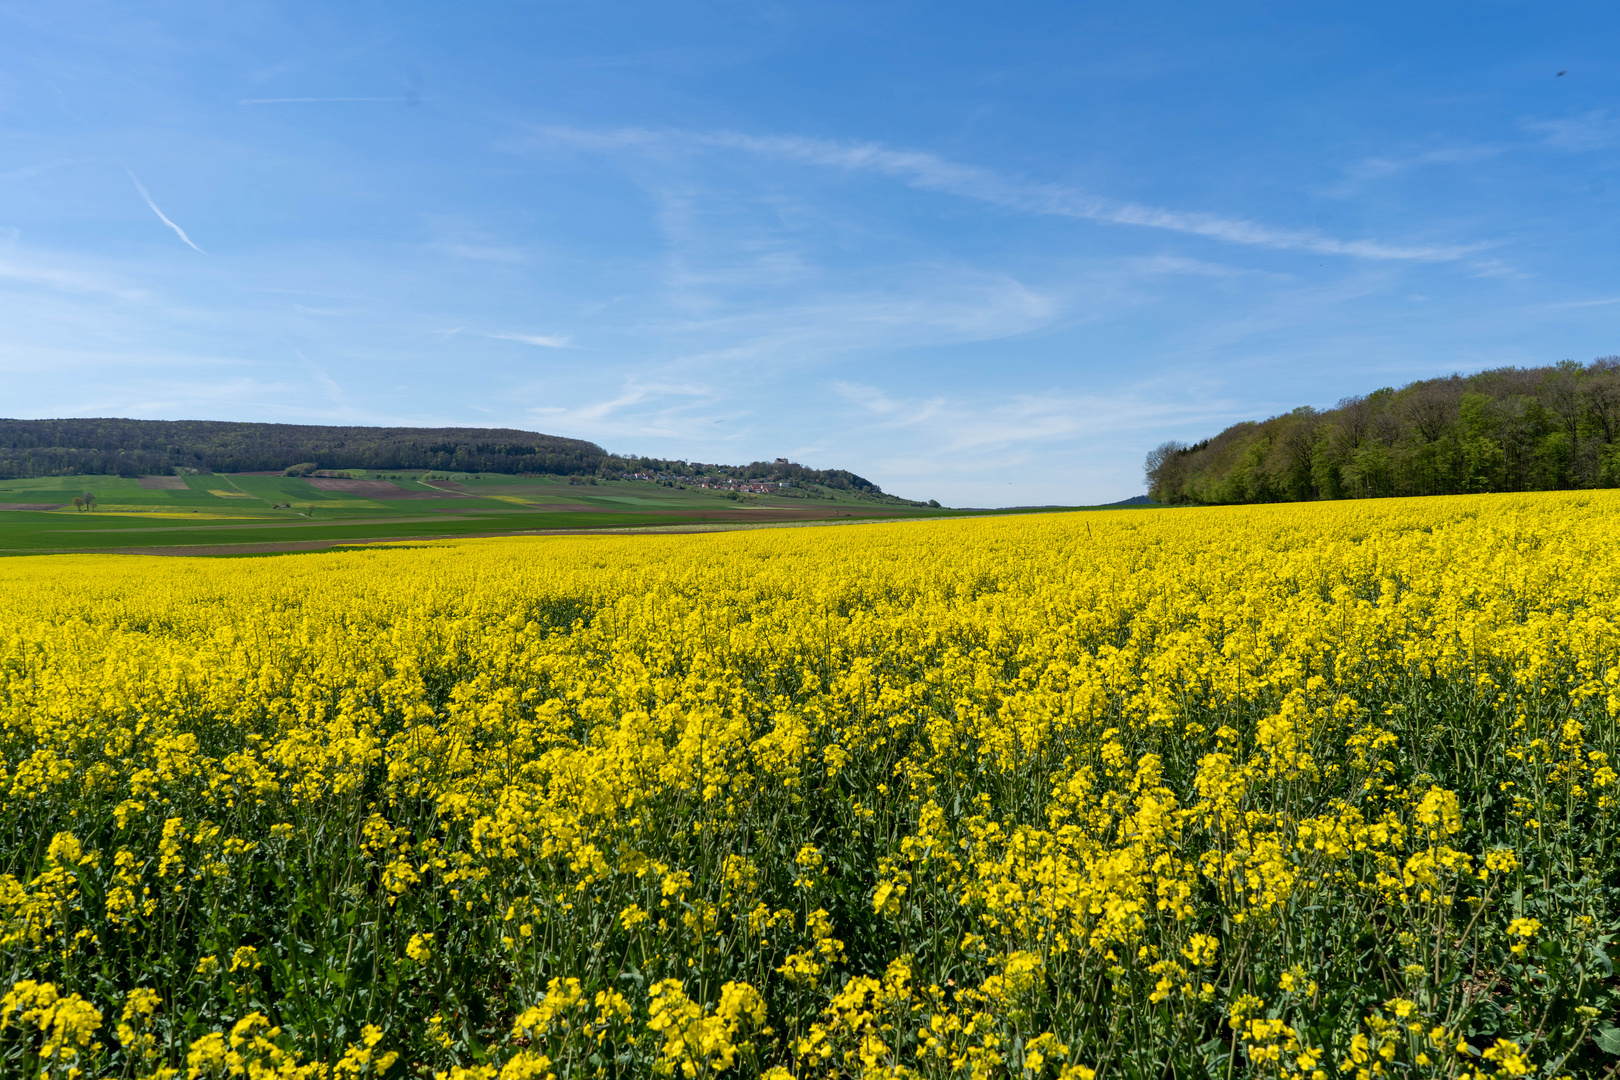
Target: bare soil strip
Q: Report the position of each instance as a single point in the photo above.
(163, 483)
(32, 506)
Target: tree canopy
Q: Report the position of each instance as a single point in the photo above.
(1508, 429)
(137, 447)
(30, 448)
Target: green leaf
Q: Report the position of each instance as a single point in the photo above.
(1608, 1039)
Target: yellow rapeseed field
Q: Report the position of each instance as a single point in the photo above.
(1311, 791)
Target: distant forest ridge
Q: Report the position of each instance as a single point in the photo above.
(1508, 429)
(31, 448)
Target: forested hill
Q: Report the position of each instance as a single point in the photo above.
(1509, 429)
(136, 447)
(145, 447)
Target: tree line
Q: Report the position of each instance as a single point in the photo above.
(118, 447)
(148, 447)
(1507, 429)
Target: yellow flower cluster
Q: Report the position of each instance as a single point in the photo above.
(1304, 792)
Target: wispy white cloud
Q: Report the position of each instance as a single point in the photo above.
(1025, 423)
(1376, 168)
(495, 253)
(1605, 302)
(23, 172)
(920, 307)
(334, 392)
(544, 341)
(72, 281)
(930, 172)
(1000, 449)
(1593, 130)
(965, 430)
(460, 238)
(891, 412)
(1155, 265)
(178, 231)
(1495, 268)
(645, 409)
(1369, 170)
(746, 296)
(320, 100)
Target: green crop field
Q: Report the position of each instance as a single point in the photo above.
(220, 513)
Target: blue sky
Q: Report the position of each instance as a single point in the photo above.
(986, 253)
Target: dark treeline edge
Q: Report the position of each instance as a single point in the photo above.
(122, 447)
(1507, 429)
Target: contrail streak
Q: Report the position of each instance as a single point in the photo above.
(923, 170)
(178, 231)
